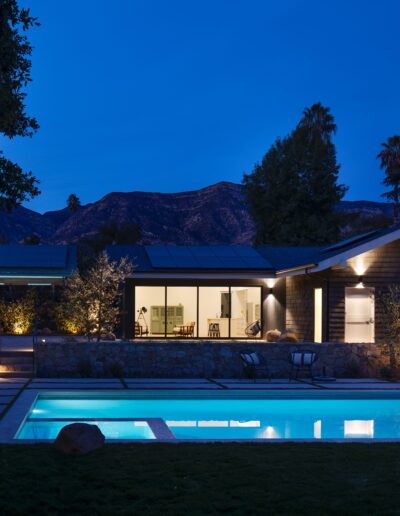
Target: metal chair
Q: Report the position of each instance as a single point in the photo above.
(253, 363)
(302, 360)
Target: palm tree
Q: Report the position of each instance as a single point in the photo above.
(317, 118)
(390, 162)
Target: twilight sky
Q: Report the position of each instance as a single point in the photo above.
(173, 95)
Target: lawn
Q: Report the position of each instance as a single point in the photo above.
(190, 479)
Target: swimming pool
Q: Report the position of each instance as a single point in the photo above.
(219, 415)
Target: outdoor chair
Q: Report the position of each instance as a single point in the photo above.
(213, 330)
(253, 364)
(301, 360)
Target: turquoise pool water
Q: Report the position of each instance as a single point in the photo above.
(221, 416)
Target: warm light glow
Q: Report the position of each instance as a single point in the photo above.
(359, 428)
(71, 327)
(270, 282)
(317, 429)
(318, 315)
(359, 265)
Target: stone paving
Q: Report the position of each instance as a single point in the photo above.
(10, 388)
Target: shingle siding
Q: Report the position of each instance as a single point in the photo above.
(382, 268)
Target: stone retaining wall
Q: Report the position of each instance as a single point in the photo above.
(196, 359)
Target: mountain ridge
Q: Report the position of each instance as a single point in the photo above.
(215, 214)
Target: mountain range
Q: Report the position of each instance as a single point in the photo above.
(217, 214)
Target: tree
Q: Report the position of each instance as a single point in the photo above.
(293, 193)
(91, 301)
(33, 239)
(390, 303)
(390, 162)
(16, 186)
(317, 120)
(113, 233)
(73, 203)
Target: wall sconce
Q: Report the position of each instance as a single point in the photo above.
(270, 290)
(361, 279)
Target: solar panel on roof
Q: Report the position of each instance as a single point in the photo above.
(348, 241)
(20, 256)
(179, 251)
(205, 257)
(160, 257)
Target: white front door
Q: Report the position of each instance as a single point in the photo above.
(359, 315)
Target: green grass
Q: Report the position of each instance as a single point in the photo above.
(191, 479)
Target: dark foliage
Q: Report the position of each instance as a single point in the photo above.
(16, 186)
(73, 203)
(390, 161)
(113, 233)
(293, 193)
(32, 239)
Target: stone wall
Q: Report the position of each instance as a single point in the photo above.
(184, 359)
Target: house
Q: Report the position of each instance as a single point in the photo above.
(36, 265)
(321, 293)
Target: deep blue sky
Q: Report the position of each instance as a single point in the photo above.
(168, 95)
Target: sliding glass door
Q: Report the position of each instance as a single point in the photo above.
(196, 311)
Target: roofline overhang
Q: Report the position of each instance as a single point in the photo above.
(160, 275)
(342, 257)
(23, 276)
(293, 271)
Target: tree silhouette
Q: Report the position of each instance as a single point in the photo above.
(390, 163)
(16, 185)
(73, 203)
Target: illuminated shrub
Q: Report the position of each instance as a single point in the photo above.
(17, 316)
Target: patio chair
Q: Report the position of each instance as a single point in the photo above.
(302, 360)
(254, 363)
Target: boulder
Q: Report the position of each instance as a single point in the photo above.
(79, 438)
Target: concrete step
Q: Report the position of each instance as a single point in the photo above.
(15, 374)
(4, 354)
(16, 359)
(16, 364)
(17, 367)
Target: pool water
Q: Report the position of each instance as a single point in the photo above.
(221, 416)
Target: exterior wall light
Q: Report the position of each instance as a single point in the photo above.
(270, 290)
(360, 283)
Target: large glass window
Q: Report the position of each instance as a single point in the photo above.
(181, 311)
(214, 310)
(245, 309)
(150, 311)
(191, 311)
